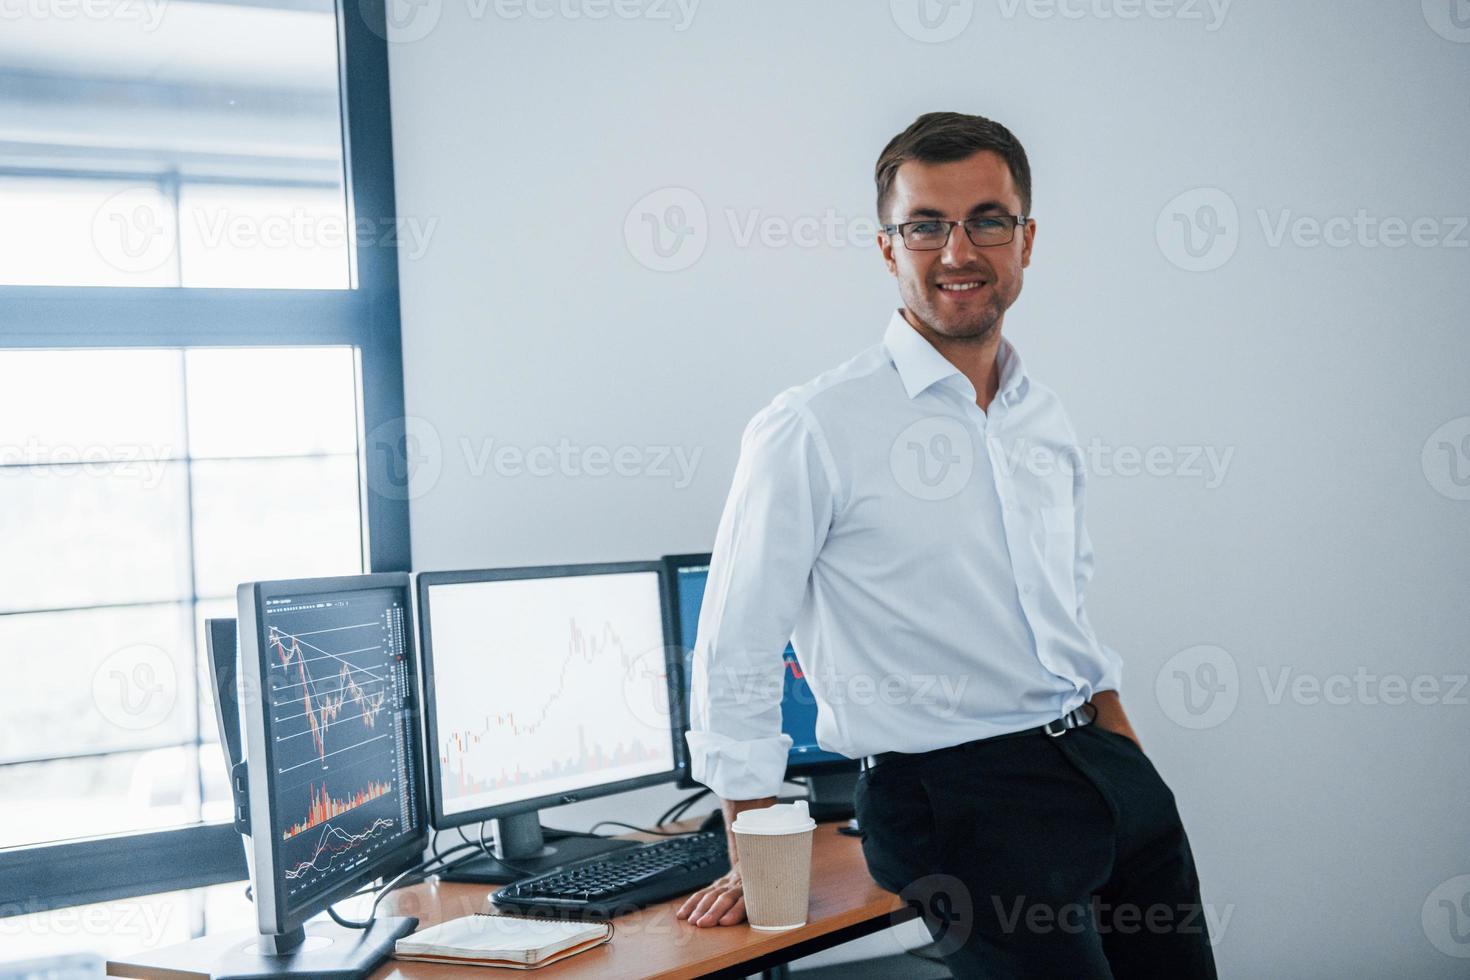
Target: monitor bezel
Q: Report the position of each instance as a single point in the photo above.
(672, 566)
(426, 581)
(275, 915)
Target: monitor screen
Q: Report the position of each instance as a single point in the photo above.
(342, 770)
(544, 684)
(798, 704)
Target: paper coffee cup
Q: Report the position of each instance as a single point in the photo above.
(774, 848)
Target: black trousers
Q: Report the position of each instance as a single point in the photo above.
(1040, 857)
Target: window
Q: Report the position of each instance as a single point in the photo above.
(124, 532)
(200, 384)
(196, 143)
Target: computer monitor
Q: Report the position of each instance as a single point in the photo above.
(332, 773)
(828, 771)
(543, 686)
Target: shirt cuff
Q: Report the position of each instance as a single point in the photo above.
(738, 770)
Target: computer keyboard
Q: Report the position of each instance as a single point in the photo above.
(622, 881)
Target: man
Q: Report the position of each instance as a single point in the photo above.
(913, 521)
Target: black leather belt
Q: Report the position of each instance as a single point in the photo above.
(1079, 718)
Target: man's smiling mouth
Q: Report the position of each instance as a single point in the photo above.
(961, 286)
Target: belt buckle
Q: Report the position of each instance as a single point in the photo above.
(1069, 720)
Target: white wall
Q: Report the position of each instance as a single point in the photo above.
(1320, 829)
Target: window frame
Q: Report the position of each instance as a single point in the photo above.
(41, 877)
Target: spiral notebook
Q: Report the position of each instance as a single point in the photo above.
(512, 941)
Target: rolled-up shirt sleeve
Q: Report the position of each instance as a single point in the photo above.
(775, 520)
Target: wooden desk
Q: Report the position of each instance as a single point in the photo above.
(845, 904)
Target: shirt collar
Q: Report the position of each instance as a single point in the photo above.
(920, 366)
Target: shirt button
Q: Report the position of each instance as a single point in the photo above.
(1025, 590)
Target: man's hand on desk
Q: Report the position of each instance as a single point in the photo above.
(722, 903)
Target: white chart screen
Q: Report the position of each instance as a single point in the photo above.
(547, 685)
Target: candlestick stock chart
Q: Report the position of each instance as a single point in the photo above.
(340, 749)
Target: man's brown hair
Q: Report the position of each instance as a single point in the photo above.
(943, 137)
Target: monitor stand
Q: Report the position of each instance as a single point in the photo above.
(522, 850)
(321, 950)
(829, 795)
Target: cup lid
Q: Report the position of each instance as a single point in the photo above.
(781, 818)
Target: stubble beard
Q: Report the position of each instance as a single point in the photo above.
(977, 328)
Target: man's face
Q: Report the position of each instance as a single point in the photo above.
(968, 188)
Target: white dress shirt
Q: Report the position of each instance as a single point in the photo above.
(926, 559)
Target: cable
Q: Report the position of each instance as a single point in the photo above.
(641, 830)
(372, 909)
(679, 809)
(555, 833)
(670, 815)
(485, 846)
(480, 843)
(421, 870)
(434, 844)
(684, 810)
(675, 815)
(425, 868)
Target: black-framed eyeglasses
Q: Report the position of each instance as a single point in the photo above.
(928, 234)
